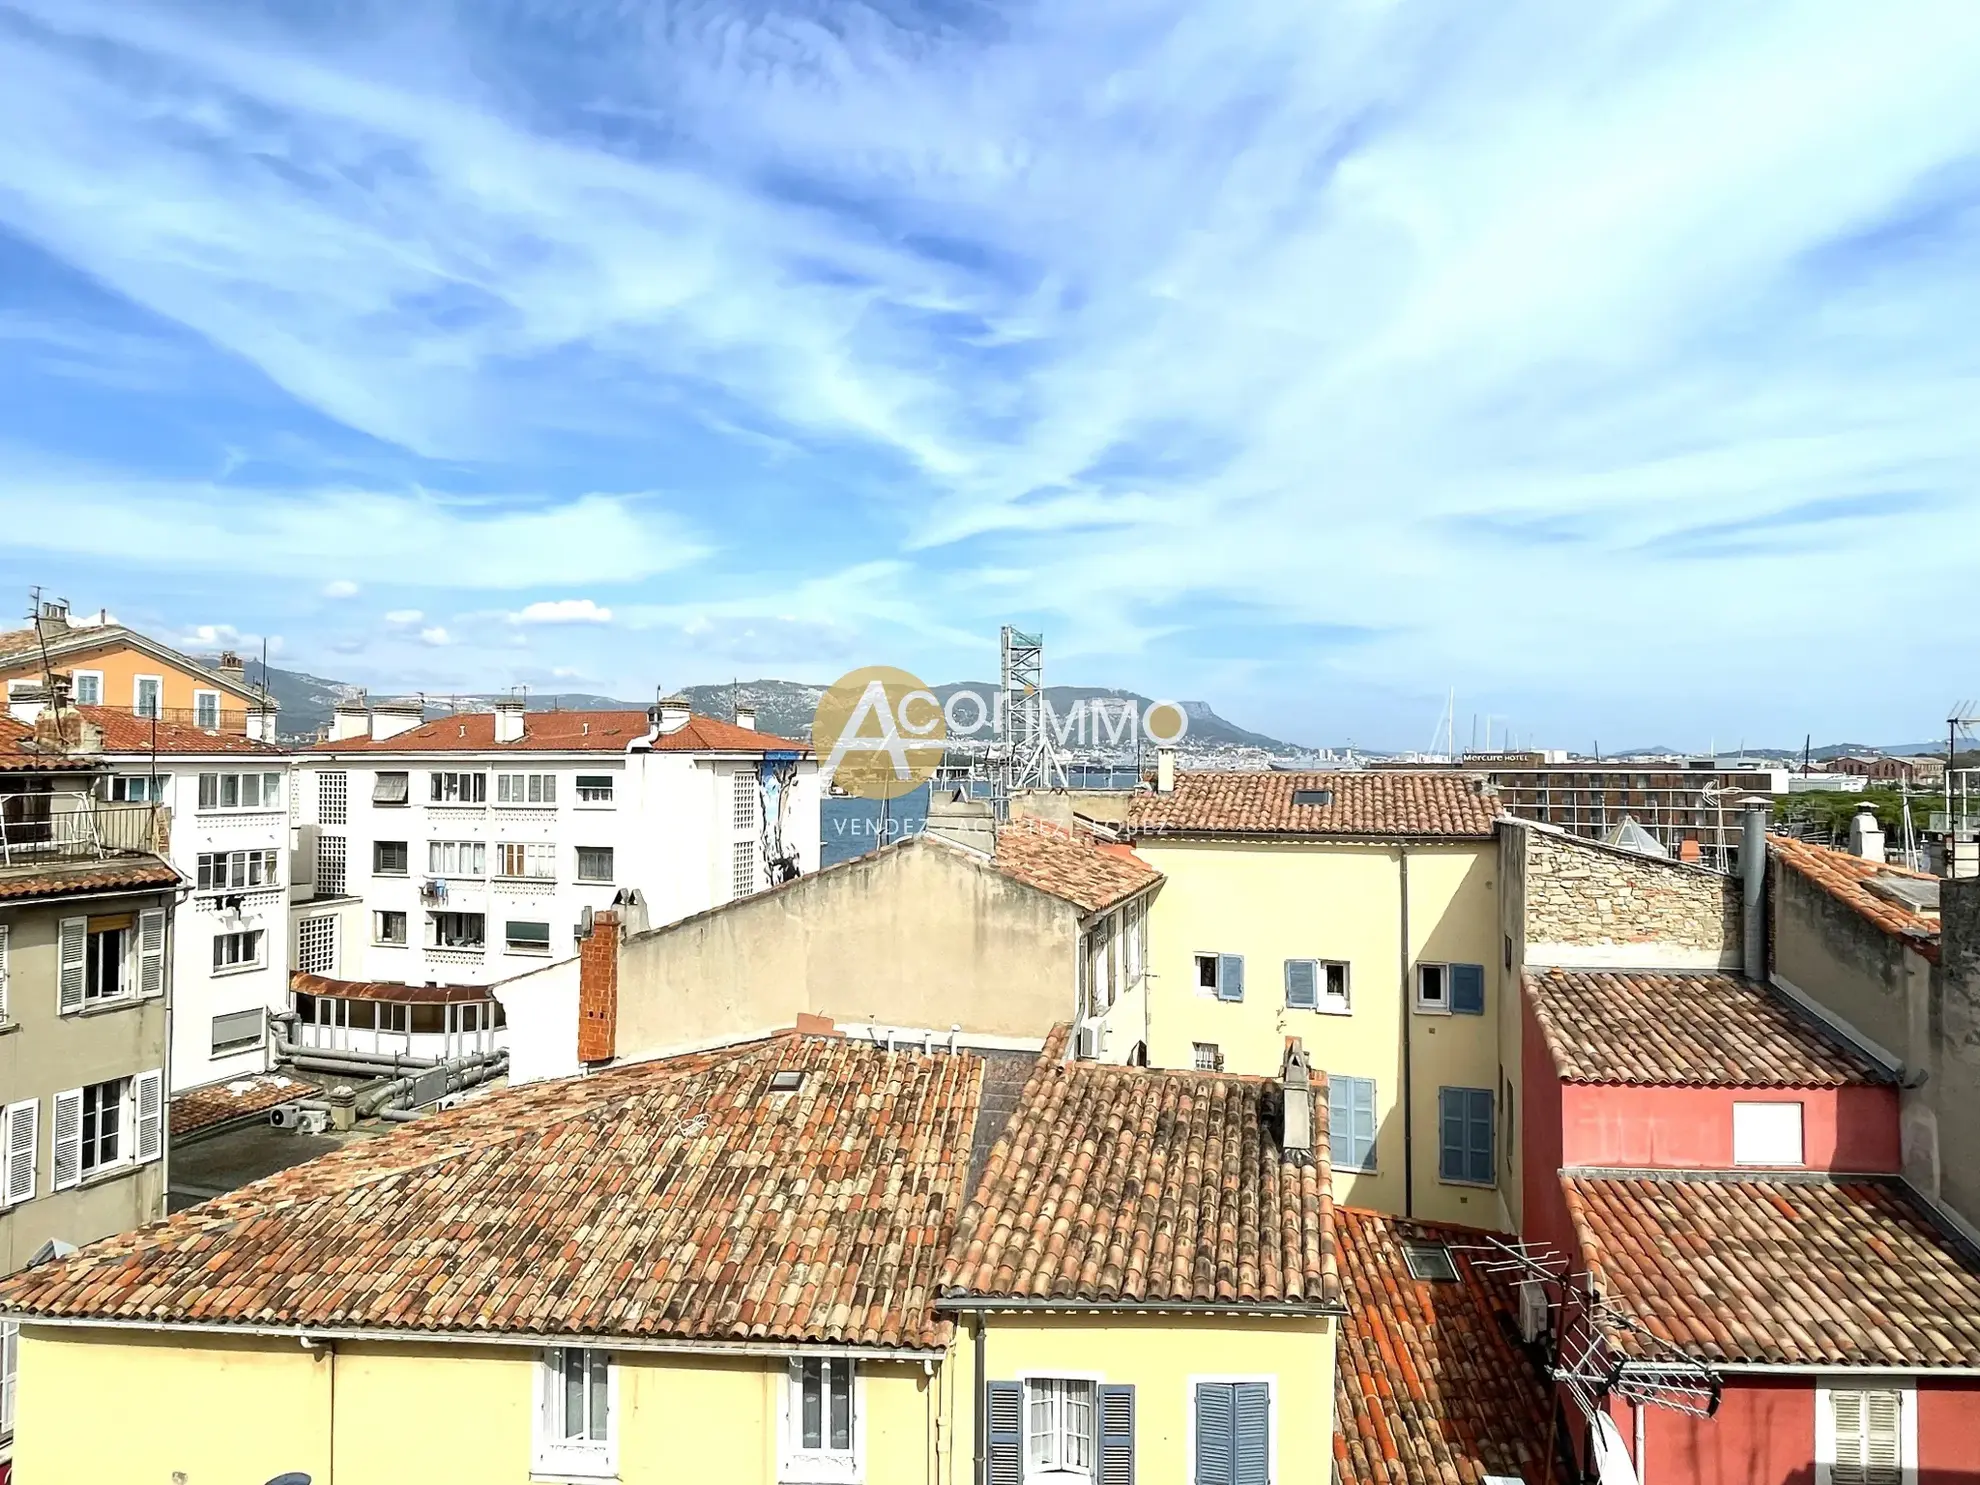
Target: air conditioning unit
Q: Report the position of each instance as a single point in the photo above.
(1536, 1317)
(1087, 1041)
(303, 1121)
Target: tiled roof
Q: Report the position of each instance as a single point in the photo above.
(567, 732)
(1119, 1184)
(15, 641)
(67, 878)
(1842, 876)
(125, 733)
(1399, 804)
(1430, 1384)
(1781, 1269)
(669, 1199)
(396, 991)
(1692, 1028)
(216, 1103)
(1071, 864)
(16, 757)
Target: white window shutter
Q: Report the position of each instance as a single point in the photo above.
(151, 952)
(3, 974)
(1883, 1457)
(23, 1121)
(75, 959)
(150, 1115)
(68, 1139)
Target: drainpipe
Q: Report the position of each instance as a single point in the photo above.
(1408, 1036)
(982, 1408)
(1753, 879)
(1636, 1408)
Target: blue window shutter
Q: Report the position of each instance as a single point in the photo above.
(1230, 977)
(1302, 984)
(1363, 1144)
(1005, 1433)
(1254, 1434)
(1478, 1152)
(1468, 989)
(1216, 1438)
(1450, 1128)
(1116, 1436)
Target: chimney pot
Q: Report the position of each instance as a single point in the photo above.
(1165, 770)
(746, 717)
(508, 721)
(669, 714)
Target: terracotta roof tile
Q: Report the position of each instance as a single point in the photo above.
(216, 1103)
(1430, 1384)
(675, 1198)
(1781, 1270)
(1120, 1184)
(1371, 803)
(60, 879)
(567, 732)
(1071, 864)
(1842, 876)
(125, 733)
(17, 757)
(396, 991)
(1688, 1028)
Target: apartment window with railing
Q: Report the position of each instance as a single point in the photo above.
(456, 930)
(145, 695)
(525, 788)
(333, 798)
(594, 788)
(458, 788)
(241, 791)
(745, 802)
(237, 871)
(528, 861)
(240, 950)
(206, 710)
(456, 858)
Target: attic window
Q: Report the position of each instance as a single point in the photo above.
(1430, 1262)
(786, 1082)
(1313, 796)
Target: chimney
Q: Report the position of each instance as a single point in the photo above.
(390, 718)
(349, 719)
(598, 990)
(746, 717)
(1296, 1102)
(1753, 881)
(669, 714)
(24, 702)
(231, 669)
(1165, 770)
(508, 721)
(1866, 834)
(953, 816)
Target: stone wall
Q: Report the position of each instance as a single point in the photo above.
(1592, 904)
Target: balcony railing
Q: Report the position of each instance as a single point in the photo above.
(33, 831)
(229, 723)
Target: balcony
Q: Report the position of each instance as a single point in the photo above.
(232, 722)
(34, 831)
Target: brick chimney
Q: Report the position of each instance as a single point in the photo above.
(598, 990)
(231, 668)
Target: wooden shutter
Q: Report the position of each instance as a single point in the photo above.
(151, 952)
(1116, 1436)
(1450, 1133)
(23, 1121)
(1253, 1432)
(1478, 1136)
(74, 963)
(149, 1098)
(1216, 1442)
(1302, 984)
(1468, 989)
(1230, 977)
(1004, 1404)
(68, 1139)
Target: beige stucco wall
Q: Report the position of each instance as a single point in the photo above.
(43, 1053)
(918, 935)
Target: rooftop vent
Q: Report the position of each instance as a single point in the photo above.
(1430, 1262)
(786, 1082)
(1318, 797)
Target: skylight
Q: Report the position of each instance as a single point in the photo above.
(786, 1082)
(1313, 796)
(1430, 1262)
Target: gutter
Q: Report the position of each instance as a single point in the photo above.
(616, 1343)
(1805, 1369)
(972, 1304)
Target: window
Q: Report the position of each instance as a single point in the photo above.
(821, 1424)
(1058, 1426)
(456, 858)
(136, 788)
(389, 858)
(1430, 1262)
(525, 788)
(1206, 1056)
(1454, 988)
(1231, 1432)
(105, 1124)
(1767, 1134)
(390, 787)
(236, 871)
(1865, 1436)
(1317, 985)
(1100, 965)
(745, 800)
(316, 946)
(742, 870)
(786, 1080)
(522, 861)
(1465, 1120)
(575, 1431)
(238, 1031)
(330, 866)
(88, 687)
(10, 1365)
(20, 1125)
(456, 931)
(237, 950)
(528, 938)
(333, 797)
(240, 791)
(1221, 975)
(103, 976)
(388, 927)
(1313, 798)
(96, 957)
(594, 863)
(459, 788)
(1351, 1122)
(144, 695)
(594, 788)
(206, 710)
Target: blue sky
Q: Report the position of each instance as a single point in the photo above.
(1617, 366)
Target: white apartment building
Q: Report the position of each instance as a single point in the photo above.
(465, 850)
(225, 807)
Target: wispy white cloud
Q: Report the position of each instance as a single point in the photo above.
(402, 618)
(435, 636)
(563, 611)
(340, 588)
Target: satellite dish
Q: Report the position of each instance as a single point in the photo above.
(294, 1477)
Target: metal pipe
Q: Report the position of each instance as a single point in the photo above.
(1753, 877)
(1408, 1037)
(400, 1116)
(395, 1061)
(981, 1387)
